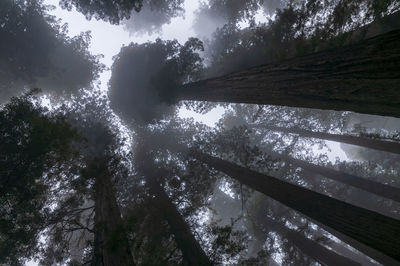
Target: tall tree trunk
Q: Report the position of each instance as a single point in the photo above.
(192, 252)
(343, 250)
(362, 77)
(376, 188)
(310, 247)
(381, 145)
(377, 231)
(111, 247)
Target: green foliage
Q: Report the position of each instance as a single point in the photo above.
(35, 145)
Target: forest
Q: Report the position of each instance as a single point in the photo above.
(269, 136)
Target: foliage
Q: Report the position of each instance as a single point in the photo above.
(144, 77)
(36, 52)
(117, 11)
(153, 15)
(301, 27)
(35, 147)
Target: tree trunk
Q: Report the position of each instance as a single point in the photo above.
(111, 247)
(380, 145)
(358, 257)
(362, 77)
(192, 252)
(374, 230)
(376, 188)
(310, 247)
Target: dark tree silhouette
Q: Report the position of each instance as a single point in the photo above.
(367, 227)
(117, 11)
(344, 78)
(35, 147)
(362, 141)
(146, 73)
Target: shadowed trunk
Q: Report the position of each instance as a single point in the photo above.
(310, 247)
(381, 145)
(376, 188)
(192, 252)
(343, 250)
(362, 77)
(111, 247)
(377, 231)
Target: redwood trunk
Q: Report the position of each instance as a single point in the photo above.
(310, 247)
(377, 231)
(376, 188)
(362, 77)
(381, 145)
(111, 247)
(192, 252)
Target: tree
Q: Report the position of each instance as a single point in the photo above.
(36, 52)
(111, 246)
(371, 186)
(192, 253)
(142, 74)
(116, 11)
(364, 226)
(337, 79)
(362, 141)
(153, 15)
(36, 146)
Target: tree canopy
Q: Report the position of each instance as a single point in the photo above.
(36, 52)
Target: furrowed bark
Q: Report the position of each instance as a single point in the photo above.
(381, 145)
(374, 230)
(111, 247)
(362, 77)
(192, 252)
(376, 188)
(310, 247)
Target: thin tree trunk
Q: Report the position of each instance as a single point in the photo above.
(111, 247)
(381, 145)
(310, 247)
(192, 252)
(362, 77)
(377, 231)
(376, 188)
(358, 257)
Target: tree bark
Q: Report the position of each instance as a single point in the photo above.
(376, 188)
(192, 252)
(362, 77)
(380, 145)
(310, 247)
(358, 257)
(111, 247)
(377, 231)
